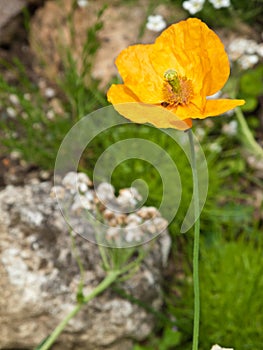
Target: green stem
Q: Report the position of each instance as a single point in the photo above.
(248, 136)
(196, 245)
(108, 280)
(80, 265)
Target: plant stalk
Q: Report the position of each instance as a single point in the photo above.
(196, 245)
(248, 137)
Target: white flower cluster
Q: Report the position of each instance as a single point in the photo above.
(245, 52)
(231, 128)
(155, 23)
(78, 185)
(124, 223)
(194, 6)
(145, 222)
(218, 347)
(82, 3)
(218, 4)
(16, 106)
(215, 147)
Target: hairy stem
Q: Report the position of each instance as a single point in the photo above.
(196, 245)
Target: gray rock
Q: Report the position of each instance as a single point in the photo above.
(39, 280)
(9, 9)
(10, 22)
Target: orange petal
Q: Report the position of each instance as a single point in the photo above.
(187, 111)
(121, 94)
(138, 74)
(217, 107)
(195, 51)
(126, 103)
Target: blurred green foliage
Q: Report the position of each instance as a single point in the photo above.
(30, 132)
(231, 277)
(251, 87)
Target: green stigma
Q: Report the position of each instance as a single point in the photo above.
(171, 77)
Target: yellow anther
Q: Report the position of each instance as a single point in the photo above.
(170, 75)
(172, 78)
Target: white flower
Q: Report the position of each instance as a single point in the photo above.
(148, 212)
(260, 50)
(113, 233)
(27, 97)
(133, 218)
(105, 192)
(230, 129)
(57, 191)
(245, 51)
(82, 3)
(83, 182)
(128, 197)
(154, 225)
(49, 92)
(82, 187)
(218, 4)
(81, 202)
(15, 155)
(215, 147)
(237, 48)
(193, 6)
(155, 23)
(248, 61)
(14, 99)
(133, 233)
(90, 195)
(70, 181)
(217, 347)
(11, 112)
(252, 47)
(160, 224)
(50, 114)
(200, 133)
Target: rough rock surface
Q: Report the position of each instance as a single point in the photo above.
(39, 280)
(9, 21)
(9, 9)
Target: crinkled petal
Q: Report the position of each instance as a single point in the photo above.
(120, 94)
(217, 107)
(195, 51)
(128, 105)
(138, 74)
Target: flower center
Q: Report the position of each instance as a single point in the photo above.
(176, 89)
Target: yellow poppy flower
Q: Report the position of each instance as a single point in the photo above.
(186, 64)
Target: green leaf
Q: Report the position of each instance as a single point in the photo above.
(171, 338)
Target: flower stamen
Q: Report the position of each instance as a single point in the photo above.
(176, 89)
(171, 77)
